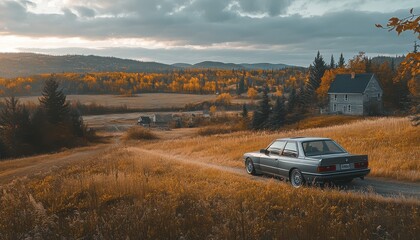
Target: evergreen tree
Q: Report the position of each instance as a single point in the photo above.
(291, 103)
(262, 113)
(54, 102)
(316, 71)
(241, 85)
(14, 128)
(244, 111)
(332, 62)
(341, 61)
(278, 117)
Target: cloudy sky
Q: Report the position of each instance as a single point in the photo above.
(170, 31)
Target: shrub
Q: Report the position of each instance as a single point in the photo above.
(220, 129)
(139, 133)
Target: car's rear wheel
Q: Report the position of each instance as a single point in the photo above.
(249, 165)
(296, 178)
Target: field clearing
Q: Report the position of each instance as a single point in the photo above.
(144, 101)
(393, 145)
(122, 194)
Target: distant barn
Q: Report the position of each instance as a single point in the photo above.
(355, 94)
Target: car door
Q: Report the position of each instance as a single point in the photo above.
(269, 161)
(288, 158)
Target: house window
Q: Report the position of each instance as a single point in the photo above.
(345, 109)
(335, 97)
(379, 96)
(349, 108)
(334, 107)
(346, 98)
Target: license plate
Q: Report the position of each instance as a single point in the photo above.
(345, 166)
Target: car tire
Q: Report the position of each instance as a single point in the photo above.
(249, 166)
(296, 178)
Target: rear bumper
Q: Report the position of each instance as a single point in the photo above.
(319, 177)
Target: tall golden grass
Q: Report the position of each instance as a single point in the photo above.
(139, 133)
(121, 195)
(393, 145)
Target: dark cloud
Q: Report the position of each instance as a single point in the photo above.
(212, 22)
(85, 12)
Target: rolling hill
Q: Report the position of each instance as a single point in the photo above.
(27, 64)
(221, 65)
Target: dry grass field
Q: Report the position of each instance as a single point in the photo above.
(120, 194)
(145, 101)
(393, 145)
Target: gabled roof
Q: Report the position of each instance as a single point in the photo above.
(343, 83)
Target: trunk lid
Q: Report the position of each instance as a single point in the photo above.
(332, 160)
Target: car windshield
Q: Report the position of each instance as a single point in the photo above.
(321, 147)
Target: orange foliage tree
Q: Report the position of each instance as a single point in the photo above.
(410, 68)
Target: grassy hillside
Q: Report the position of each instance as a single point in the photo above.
(393, 145)
(26, 64)
(121, 194)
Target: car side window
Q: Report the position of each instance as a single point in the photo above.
(276, 147)
(290, 150)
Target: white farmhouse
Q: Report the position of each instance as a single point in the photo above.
(355, 94)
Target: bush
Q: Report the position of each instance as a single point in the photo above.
(220, 129)
(139, 133)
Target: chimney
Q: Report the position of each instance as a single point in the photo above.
(353, 74)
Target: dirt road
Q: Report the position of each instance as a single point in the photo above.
(45, 164)
(384, 187)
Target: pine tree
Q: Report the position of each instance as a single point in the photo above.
(244, 112)
(278, 117)
(332, 62)
(291, 103)
(241, 85)
(54, 102)
(261, 115)
(341, 61)
(316, 71)
(14, 128)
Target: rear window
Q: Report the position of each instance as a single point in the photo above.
(321, 147)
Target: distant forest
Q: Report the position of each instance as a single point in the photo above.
(310, 85)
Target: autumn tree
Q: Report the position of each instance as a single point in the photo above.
(252, 93)
(410, 68)
(224, 99)
(358, 63)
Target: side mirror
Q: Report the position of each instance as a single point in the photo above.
(265, 151)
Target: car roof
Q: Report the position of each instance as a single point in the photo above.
(303, 139)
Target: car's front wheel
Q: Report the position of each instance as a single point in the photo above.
(296, 178)
(249, 165)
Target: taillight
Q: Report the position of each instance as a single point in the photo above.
(326, 168)
(361, 165)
